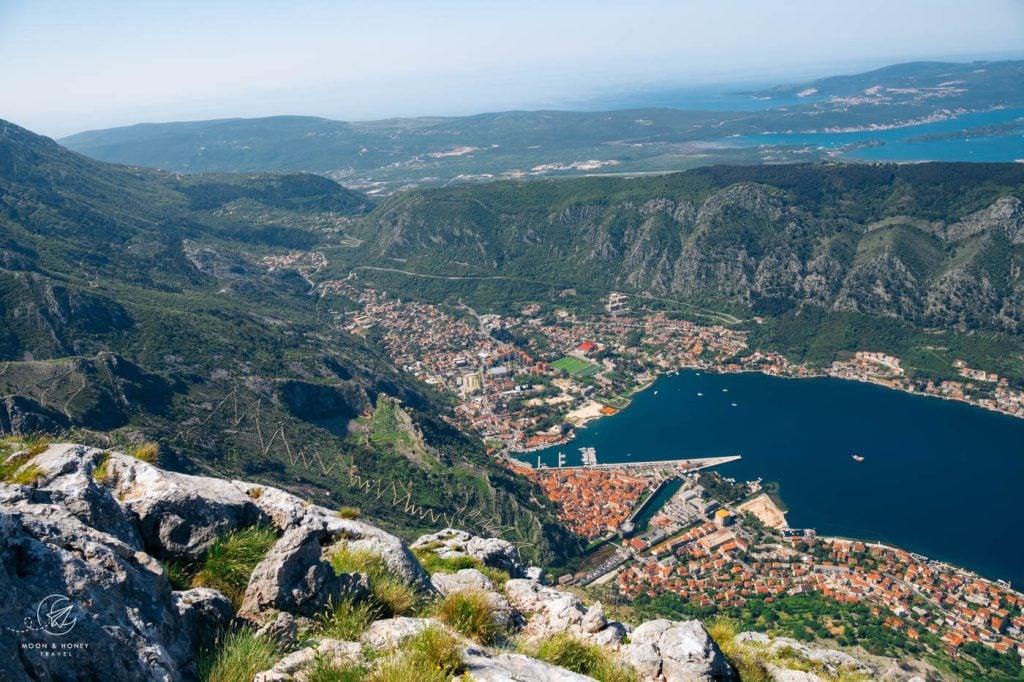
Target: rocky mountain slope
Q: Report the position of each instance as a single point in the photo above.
(96, 545)
(934, 245)
(137, 304)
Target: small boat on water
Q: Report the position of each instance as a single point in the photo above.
(725, 390)
(858, 458)
(700, 395)
(734, 404)
(655, 393)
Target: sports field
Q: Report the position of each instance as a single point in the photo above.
(575, 365)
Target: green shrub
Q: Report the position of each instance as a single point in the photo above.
(572, 654)
(496, 575)
(433, 655)
(388, 591)
(239, 655)
(229, 563)
(351, 513)
(471, 614)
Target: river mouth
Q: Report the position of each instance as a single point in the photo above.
(937, 477)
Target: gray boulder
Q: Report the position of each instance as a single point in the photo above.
(180, 516)
(69, 480)
(292, 666)
(461, 581)
(492, 552)
(388, 634)
(294, 577)
(290, 511)
(507, 667)
(549, 612)
(675, 652)
(102, 604)
(282, 628)
(205, 613)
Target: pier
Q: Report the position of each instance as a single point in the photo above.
(649, 467)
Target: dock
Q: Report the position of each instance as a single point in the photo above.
(681, 465)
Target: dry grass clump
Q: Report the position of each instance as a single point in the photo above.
(433, 655)
(148, 452)
(570, 653)
(471, 614)
(389, 593)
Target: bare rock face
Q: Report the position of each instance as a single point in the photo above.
(388, 634)
(461, 581)
(294, 577)
(515, 668)
(291, 667)
(491, 552)
(180, 516)
(205, 613)
(65, 585)
(289, 511)
(69, 480)
(549, 612)
(675, 652)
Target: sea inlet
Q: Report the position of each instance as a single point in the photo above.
(941, 478)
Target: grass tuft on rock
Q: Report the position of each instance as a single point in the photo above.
(101, 472)
(148, 452)
(229, 563)
(433, 655)
(750, 664)
(17, 468)
(471, 614)
(389, 592)
(35, 443)
(178, 575)
(346, 620)
(326, 671)
(351, 513)
(239, 655)
(570, 653)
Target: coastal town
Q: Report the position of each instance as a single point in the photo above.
(726, 556)
(528, 381)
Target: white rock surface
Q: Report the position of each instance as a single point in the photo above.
(675, 652)
(387, 634)
(515, 668)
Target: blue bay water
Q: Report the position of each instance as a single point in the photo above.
(900, 146)
(941, 478)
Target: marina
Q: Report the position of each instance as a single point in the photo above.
(939, 471)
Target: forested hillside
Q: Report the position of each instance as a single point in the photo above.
(138, 304)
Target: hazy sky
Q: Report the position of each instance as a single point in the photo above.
(76, 65)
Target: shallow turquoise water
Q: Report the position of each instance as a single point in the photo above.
(899, 144)
(941, 478)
